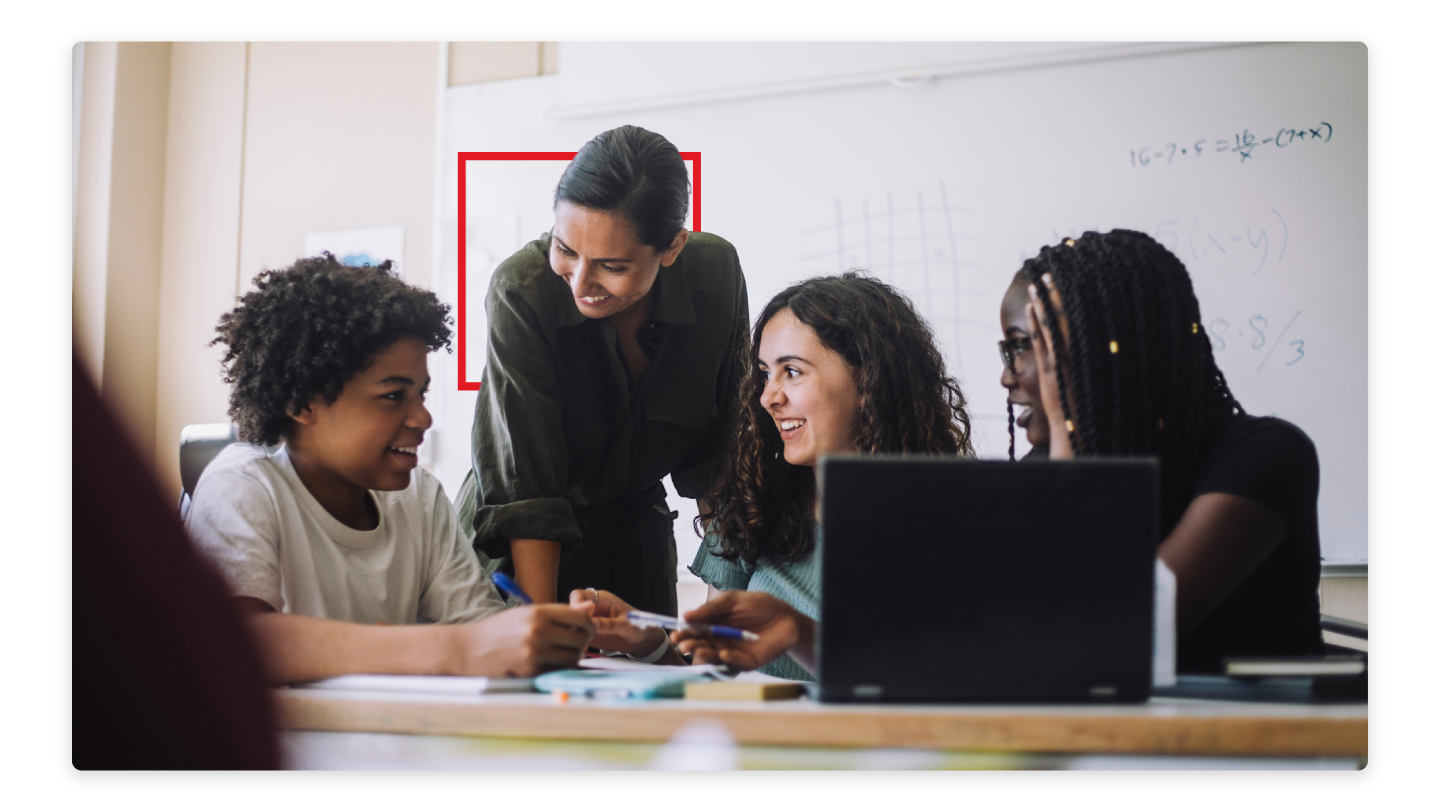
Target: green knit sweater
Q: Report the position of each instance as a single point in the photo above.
(797, 583)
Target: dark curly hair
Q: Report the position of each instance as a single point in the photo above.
(1138, 367)
(760, 503)
(308, 328)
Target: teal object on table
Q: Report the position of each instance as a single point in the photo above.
(620, 685)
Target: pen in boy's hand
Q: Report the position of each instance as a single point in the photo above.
(508, 585)
(641, 618)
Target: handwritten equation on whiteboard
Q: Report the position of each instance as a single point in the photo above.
(1261, 339)
(1244, 144)
(1249, 244)
(1262, 242)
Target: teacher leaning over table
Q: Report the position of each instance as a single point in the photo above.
(615, 344)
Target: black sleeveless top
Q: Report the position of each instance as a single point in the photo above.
(1277, 610)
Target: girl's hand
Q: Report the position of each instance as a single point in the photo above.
(778, 624)
(1047, 364)
(612, 630)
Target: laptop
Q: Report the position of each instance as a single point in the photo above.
(953, 580)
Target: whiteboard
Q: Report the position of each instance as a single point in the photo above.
(1249, 162)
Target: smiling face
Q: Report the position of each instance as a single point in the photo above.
(809, 391)
(368, 438)
(1024, 382)
(600, 256)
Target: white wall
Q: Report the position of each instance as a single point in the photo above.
(338, 135)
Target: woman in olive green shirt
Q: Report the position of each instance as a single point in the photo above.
(615, 345)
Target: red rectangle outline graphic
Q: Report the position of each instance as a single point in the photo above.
(463, 157)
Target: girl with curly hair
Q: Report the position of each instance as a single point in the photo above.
(840, 364)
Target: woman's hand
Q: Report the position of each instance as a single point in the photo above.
(1047, 365)
(781, 628)
(612, 630)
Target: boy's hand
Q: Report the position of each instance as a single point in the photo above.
(779, 626)
(612, 630)
(520, 642)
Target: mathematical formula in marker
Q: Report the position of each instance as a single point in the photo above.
(1244, 144)
(1256, 335)
(1253, 244)
(1263, 240)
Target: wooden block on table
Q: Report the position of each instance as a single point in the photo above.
(742, 690)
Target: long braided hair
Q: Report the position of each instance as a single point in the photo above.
(1137, 364)
(908, 404)
(1010, 412)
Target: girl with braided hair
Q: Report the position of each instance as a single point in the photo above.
(1124, 369)
(839, 364)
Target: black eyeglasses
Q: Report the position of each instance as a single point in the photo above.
(1012, 349)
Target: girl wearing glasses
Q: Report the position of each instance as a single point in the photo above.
(1119, 366)
(1020, 377)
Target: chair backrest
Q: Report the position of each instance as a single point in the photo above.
(199, 445)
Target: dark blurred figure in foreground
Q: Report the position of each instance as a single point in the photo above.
(164, 676)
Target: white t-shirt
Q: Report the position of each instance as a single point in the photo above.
(272, 540)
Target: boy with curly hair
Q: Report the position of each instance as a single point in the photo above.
(335, 543)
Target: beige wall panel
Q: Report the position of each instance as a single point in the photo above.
(338, 135)
(549, 58)
(92, 205)
(198, 275)
(137, 198)
(474, 62)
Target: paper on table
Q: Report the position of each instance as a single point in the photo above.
(627, 665)
(722, 673)
(424, 684)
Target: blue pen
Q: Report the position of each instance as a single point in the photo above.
(508, 585)
(641, 618)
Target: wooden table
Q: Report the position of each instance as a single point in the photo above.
(1160, 727)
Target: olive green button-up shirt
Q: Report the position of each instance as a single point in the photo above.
(559, 420)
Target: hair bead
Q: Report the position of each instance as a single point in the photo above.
(1114, 347)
